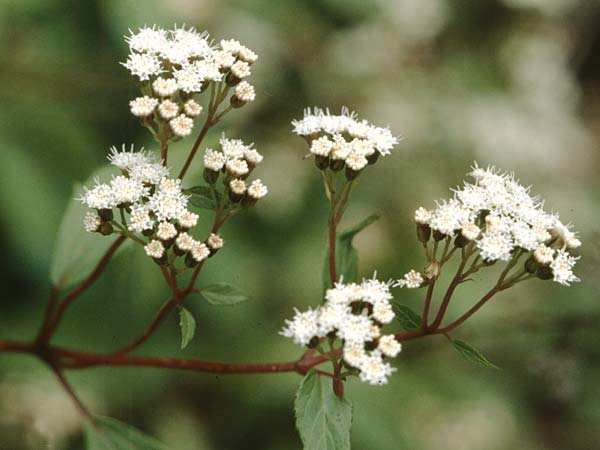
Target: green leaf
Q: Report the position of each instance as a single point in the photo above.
(188, 327)
(409, 319)
(202, 197)
(223, 294)
(76, 251)
(346, 256)
(322, 419)
(472, 354)
(110, 434)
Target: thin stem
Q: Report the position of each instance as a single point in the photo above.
(47, 332)
(428, 297)
(69, 390)
(471, 311)
(344, 202)
(446, 300)
(207, 124)
(150, 329)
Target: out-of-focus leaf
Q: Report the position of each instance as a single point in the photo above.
(322, 419)
(346, 256)
(110, 434)
(409, 319)
(473, 355)
(223, 294)
(188, 327)
(76, 251)
(201, 197)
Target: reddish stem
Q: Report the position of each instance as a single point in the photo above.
(47, 332)
(207, 124)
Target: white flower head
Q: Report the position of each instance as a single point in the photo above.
(389, 346)
(192, 108)
(215, 241)
(245, 92)
(214, 160)
(181, 125)
(155, 249)
(143, 65)
(166, 231)
(91, 222)
(165, 87)
(411, 280)
(143, 106)
(168, 109)
(199, 251)
(257, 189)
(562, 268)
(303, 327)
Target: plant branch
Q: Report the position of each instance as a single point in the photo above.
(48, 330)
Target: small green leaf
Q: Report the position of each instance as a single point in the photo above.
(202, 197)
(409, 319)
(346, 256)
(472, 354)
(188, 327)
(223, 294)
(110, 434)
(322, 419)
(76, 252)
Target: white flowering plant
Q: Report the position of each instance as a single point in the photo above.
(183, 77)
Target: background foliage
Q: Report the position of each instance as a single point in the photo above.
(512, 83)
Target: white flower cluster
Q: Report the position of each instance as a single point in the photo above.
(236, 160)
(501, 216)
(354, 313)
(175, 65)
(343, 140)
(152, 205)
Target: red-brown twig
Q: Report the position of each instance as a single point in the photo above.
(51, 325)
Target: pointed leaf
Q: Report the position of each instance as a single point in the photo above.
(322, 419)
(473, 355)
(223, 294)
(76, 251)
(202, 197)
(409, 319)
(188, 327)
(110, 434)
(346, 256)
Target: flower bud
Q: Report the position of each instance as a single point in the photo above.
(373, 157)
(210, 176)
(105, 228)
(531, 265)
(313, 342)
(106, 214)
(236, 102)
(321, 162)
(544, 273)
(336, 164)
(190, 261)
(438, 235)
(338, 387)
(351, 174)
(460, 240)
(423, 232)
(432, 271)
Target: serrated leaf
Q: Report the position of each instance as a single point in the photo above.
(187, 323)
(202, 197)
(473, 355)
(76, 251)
(110, 434)
(322, 419)
(346, 256)
(409, 319)
(223, 294)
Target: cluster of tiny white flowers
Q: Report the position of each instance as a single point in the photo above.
(173, 66)
(501, 216)
(152, 203)
(236, 160)
(343, 140)
(411, 280)
(354, 313)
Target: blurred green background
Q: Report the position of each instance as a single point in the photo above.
(513, 83)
